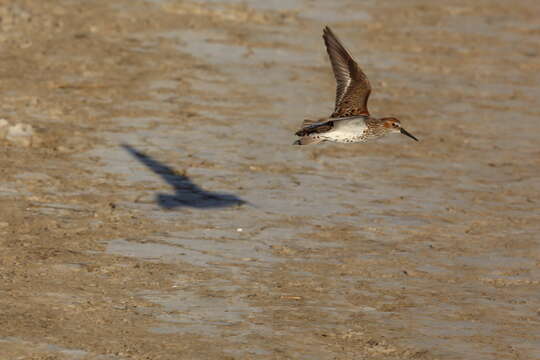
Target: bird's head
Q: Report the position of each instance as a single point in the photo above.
(393, 125)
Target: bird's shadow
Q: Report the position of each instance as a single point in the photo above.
(186, 193)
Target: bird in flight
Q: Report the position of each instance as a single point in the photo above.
(350, 122)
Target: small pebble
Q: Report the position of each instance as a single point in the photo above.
(20, 134)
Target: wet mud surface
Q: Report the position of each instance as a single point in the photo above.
(160, 211)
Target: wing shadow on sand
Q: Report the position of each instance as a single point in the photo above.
(186, 193)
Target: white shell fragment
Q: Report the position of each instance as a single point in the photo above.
(19, 134)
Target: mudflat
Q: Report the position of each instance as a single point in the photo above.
(152, 205)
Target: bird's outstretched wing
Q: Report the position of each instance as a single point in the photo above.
(353, 87)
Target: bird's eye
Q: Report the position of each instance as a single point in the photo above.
(395, 125)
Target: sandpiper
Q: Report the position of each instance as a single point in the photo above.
(350, 122)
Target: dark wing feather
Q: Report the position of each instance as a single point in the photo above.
(353, 86)
(315, 128)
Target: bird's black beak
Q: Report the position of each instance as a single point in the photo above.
(405, 132)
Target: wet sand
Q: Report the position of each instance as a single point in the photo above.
(160, 211)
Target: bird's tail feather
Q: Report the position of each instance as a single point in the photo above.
(307, 140)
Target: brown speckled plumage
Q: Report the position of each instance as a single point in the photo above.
(350, 121)
(353, 87)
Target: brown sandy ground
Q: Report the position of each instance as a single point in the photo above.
(368, 270)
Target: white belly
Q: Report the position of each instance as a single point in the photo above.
(347, 131)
